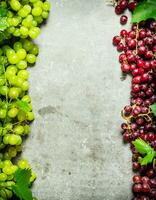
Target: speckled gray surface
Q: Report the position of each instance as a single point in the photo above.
(77, 94)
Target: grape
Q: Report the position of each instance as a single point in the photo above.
(24, 19)
(138, 47)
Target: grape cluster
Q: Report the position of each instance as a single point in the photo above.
(137, 57)
(24, 17)
(17, 53)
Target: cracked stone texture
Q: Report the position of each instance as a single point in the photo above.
(75, 144)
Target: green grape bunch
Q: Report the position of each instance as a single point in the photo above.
(20, 22)
(22, 18)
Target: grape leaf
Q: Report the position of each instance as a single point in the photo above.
(142, 147)
(3, 11)
(145, 10)
(23, 105)
(3, 23)
(21, 188)
(153, 108)
(148, 158)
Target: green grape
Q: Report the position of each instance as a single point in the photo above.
(10, 14)
(2, 113)
(7, 170)
(34, 32)
(17, 46)
(18, 129)
(45, 14)
(39, 19)
(13, 93)
(11, 29)
(15, 5)
(31, 58)
(9, 182)
(21, 53)
(5, 48)
(21, 115)
(10, 71)
(24, 74)
(3, 177)
(34, 50)
(27, 9)
(46, 6)
(26, 98)
(24, 30)
(13, 112)
(4, 90)
(34, 23)
(38, 4)
(23, 164)
(7, 163)
(30, 116)
(15, 139)
(27, 22)
(25, 86)
(2, 80)
(13, 59)
(27, 44)
(26, 129)
(19, 82)
(19, 148)
(4, 132)
(22, 64)
(10, 52)
(3, 194)
(16, 33)
(6, 156)
(8, 126)
(12, 80)
(12, 152)
(22, 13)
(36, 11)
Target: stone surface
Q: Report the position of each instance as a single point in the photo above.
(75, 145)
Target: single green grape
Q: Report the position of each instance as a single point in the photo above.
(13, 93)
(26, 98)
(21, 53)
(15, 5)
(30, 116)
(13, 112)
(2, 113)
(24, 74)
(17, 46)
(13, 59)
(3, 177)
(23, 164)
(31, 58)
(18, 129)
(22, 64)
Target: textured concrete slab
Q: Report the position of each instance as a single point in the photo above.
(77, 94)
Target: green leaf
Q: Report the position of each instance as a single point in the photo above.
(3, 11)
(23, 105)
(148, 158)
(21, 188)
(144, 10)
(142, 147)
(153, 108)
(3, 23)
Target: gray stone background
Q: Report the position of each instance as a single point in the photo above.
(75, 144)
